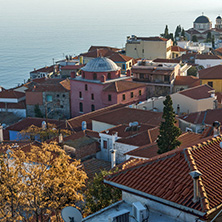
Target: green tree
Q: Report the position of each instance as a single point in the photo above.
(167, 140)
(194, 38)
(37, 111)
(192, 71)
(99, 195)
(178, 31)
(183, 33)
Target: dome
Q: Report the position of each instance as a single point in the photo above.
(218, 17)
(202, 19)
(100, 64)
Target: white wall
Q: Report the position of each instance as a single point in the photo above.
(206, 63)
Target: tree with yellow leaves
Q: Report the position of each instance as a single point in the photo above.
(50, 181)
(34, 132)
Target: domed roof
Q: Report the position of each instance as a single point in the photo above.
(100, 64)
(202, 19)
(218, 17)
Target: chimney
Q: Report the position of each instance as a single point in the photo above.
(216, 128)
(195, 175)
(81, 60)
(60, 138)
(1, 133)
(73, 75)
(113, 157)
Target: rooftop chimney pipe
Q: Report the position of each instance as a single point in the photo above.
(1, 133)
(195, 175)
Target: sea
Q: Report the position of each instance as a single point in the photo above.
(34, 33)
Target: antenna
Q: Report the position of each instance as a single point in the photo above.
(71, 214)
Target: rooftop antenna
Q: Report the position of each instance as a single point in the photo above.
(71, 214)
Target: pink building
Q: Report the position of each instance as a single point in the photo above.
(101, 84)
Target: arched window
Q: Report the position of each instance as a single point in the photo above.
(94, 76)
(109, 75)
(80, 107)
(92, 107)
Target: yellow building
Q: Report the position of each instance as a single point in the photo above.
(148, 47)
(212, 76)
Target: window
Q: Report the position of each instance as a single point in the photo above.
(80, 94)
(104, 144)
(166, 78)
(109, 76)
(131, 94)
(123, 66)
(61, 106)
(92, 96)
(130, 64)
(92, 107)
(80, 107)
(94, 76)
(124, 97)
(86, 87)
(142, 50)
(83, 75)
(63, 95)
(57, 95)
(49, 98)
(140, 92)
(210, 84)
(109, 97)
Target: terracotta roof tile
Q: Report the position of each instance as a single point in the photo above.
(104, 47)
(167, 176)
(156, 38)
(198, 92)
(25, 123)
(166, 60)
(127, 115)
(214, 72)
(117, 57)
(207, 56)
(20, 105)
(189, 81)
(44, 69)
(176, 48)
(72, 67)
(121, 86)
(11, 94)
(76, 123)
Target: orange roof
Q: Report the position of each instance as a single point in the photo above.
(207, 56)
(167, 176)
(166, 60)
(76, 122)
(187, 81)
(19, 105)
(72, 67)
(121, 86)
(127, 115)
(204, 117)
(117, 57)
(103, 47)
(11, 94)
(44, 69)
(150, 150)
(198, 92)
(176, 48)
(214, 72)
(156, 38)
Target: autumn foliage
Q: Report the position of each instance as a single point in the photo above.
(36, 185)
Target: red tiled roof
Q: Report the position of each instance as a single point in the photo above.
(92, 48)
(151, 71)
(187, 81)
(150, 150)
(207, 117)
(219, 96)
(219, 50)
(44, 69)
(117, 57)
(72, 67)
(76, 122)
(167, 176)
(25, 123)
(121, 86)
(11, 94)
(206, 56)
(176, 48)
(166, 60)
(198, 92)
(192, 31)
(214, 72)
(50, 85)
(127, 115)
(93, 166)
(19, 105)
(156, 38)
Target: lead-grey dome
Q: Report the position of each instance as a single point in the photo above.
(202, 19)
(100, 64)
(218, 17)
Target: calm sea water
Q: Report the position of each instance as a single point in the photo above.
(33, 32)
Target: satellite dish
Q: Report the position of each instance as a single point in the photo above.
(71, 214)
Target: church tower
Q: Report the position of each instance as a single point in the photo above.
(218, 23)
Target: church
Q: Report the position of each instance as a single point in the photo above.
(202, 26)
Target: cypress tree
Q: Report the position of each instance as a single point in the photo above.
(37, 111)
(167, 140)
